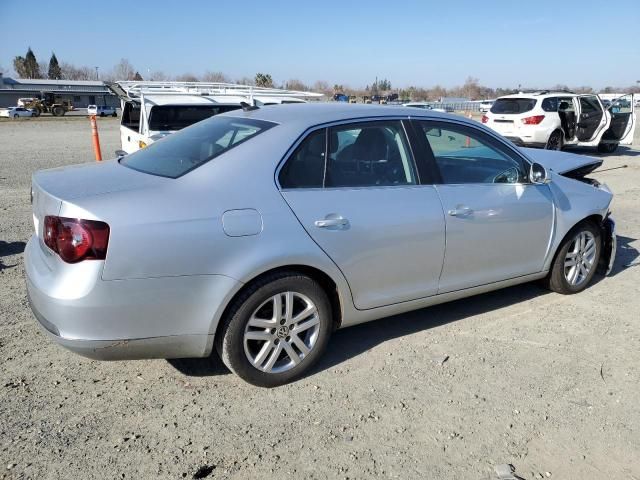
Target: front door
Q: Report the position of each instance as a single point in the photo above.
(498, 225)
(367, 210)
(623, 120)
(591, 118)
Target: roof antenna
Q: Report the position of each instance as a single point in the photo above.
(247, 108)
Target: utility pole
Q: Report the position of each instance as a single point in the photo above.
(97, 73)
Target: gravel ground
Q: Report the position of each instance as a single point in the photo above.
(548, 383)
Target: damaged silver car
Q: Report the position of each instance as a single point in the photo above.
(260, 231)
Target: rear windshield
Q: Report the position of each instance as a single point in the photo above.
(177, 117)
(184, 151)
(513, 105)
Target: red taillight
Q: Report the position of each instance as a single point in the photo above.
(75, 239)
(485, 119)
(535, 120)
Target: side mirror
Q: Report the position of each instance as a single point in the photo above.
(120, 153)
(539, 175)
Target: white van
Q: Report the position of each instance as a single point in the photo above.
(153, 110)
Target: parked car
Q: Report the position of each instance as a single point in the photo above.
(258, 232)
(16, 112)
(553, 120)
(424, 105)
(101, 110)
(485, 106)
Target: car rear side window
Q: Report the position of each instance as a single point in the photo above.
(186, 150)
(369, 154)
(513, 105)
(305, 168)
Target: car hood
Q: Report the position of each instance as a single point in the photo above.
(78, 181)
(563, 163)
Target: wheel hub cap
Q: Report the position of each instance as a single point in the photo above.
(580, 258)
(281, 332)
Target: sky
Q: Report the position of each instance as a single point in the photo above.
(539, 43)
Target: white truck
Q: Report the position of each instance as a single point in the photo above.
(153, 110)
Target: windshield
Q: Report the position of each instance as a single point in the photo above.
(513, 105)
(184, 151)
(177, 117)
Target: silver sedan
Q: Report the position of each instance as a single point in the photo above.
(260, 231)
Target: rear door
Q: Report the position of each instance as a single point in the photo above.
(623, 120)
(130, 135)
(591, 118)
(368, 211)
(498, 224)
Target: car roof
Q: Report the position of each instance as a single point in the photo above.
(310, 114)
(541, 94)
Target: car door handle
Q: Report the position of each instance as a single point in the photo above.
(460, 211)
(331, 222)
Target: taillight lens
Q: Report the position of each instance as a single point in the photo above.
(485, 119)
(535, 120)
(75, 240)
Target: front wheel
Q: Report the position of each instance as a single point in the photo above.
(576, 261)
(15, 116)
(276, 330)
(607, 147)
(555, 141)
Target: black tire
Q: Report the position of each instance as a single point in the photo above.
(114, 114)
(102, 114)
(555, 141)
(557, 278)
(57, 111)
(15, 116)
(607, 147)
(230, 336)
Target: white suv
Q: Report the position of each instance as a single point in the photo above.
(101, 110)
(553, 120)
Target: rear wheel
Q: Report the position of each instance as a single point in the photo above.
(555, 141)
(577, 260)
(57, 111)
(276, 329)
(607, 147)
(15, 115)
(114, 114)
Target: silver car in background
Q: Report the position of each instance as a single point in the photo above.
(259, 231)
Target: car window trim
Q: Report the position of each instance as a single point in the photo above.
(327, 125)
(494, 141)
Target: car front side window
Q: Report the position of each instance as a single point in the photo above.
(466, 155)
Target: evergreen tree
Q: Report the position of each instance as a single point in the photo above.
(32, 69)
(137, 77)
(55, 72)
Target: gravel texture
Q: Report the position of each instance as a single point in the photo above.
(545, 382)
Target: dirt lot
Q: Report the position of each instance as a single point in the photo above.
(546, 382)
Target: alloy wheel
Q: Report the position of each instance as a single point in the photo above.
(580, 257)
(281, 332)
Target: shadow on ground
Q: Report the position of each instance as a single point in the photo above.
(353, 341)
(10, 248)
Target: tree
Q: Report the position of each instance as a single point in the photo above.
(55, 73)
(245, 81)
(215, 77)
(187, 77)
(30, 65)
(158, 76)
(137, 77)
(295, 84)
(123, 70)
(263, 80)
(71, 72)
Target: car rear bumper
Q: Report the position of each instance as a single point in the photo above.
(168, 317)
